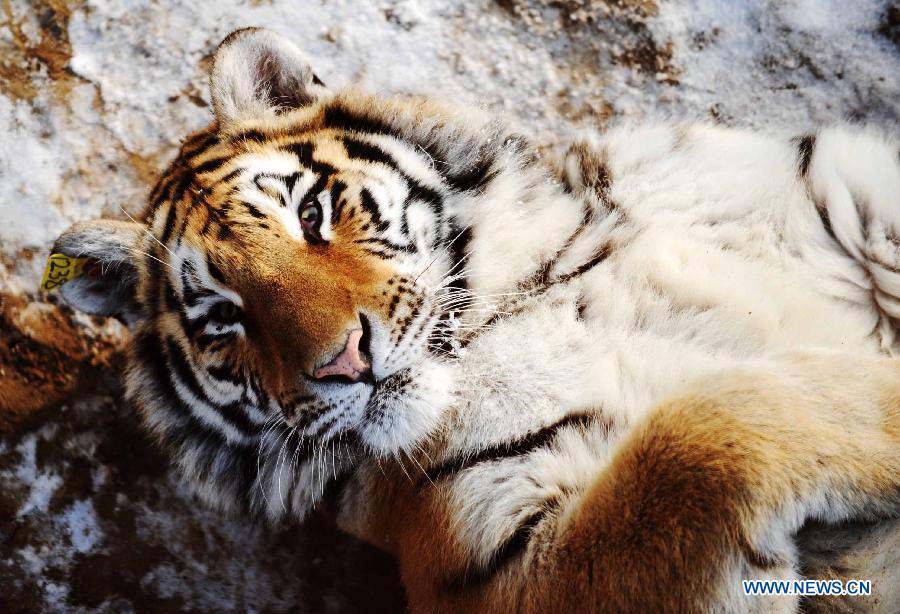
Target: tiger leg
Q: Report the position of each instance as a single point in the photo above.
(712, 487)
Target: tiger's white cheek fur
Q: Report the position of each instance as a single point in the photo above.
(395, 422)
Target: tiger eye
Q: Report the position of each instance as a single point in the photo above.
(309, 217)
(225, 312)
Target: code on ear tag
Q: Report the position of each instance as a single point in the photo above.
(60, 269)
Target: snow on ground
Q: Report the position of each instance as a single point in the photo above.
(94, 97)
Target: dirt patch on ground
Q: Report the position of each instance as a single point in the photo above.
(48, 353)
(590, 26)
(37, 46)
(890, 24)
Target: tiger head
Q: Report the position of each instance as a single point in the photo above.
(296, 284)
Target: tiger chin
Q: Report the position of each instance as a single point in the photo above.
(617, 382)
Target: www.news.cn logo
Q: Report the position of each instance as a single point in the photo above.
(807, 587)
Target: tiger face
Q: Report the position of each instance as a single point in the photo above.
(294, 287)
(304, 267)
(298, 283)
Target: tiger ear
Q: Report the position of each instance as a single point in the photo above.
(107, 288)
(257, 72)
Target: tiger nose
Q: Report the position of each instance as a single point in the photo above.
(350, 364)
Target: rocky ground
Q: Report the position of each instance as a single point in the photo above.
(94, 97)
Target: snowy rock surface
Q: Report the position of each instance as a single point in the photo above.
(94, 97)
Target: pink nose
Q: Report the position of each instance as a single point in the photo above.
(349, 363)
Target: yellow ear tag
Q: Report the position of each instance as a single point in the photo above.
(60, 269)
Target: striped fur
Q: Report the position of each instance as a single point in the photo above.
(608, 387)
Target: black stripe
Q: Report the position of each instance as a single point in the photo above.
(214, 270)
(416, 190)
(151, 290)
(207, 341)
(207, 222)
(261, 396)
(290, 181)
(459, 249)
(157, 194)
(261, 188)
(254, 211)
(232, 414)
(225, 373)
(304, 152)
(410, 248)
(357, 150)
(150, 353)
(175, 305)
(231, 175)
(380, 254)
(170, 297)
(193, 327)
(169, 225)
(191, 292)
(422, 193)
(514, 545)
(257, 136)
(599, 256)
(369, 204)
(300, 398)
(337, 190)
(211, 165)
(805, 146)
(317, 188)
(181, 187)
(339, 118)
(360, 150)
(527, 444)
(165, 193)
(822, 210)
(198, 145)
(542, 277)
(475, 178)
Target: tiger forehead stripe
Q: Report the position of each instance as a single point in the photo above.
(471, 176)
(368, 151)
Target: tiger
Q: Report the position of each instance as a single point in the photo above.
(617, 379)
